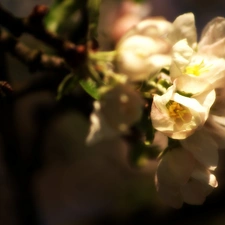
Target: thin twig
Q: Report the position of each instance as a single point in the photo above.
(73, 54)
(36, 60)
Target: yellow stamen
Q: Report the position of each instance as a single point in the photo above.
(178, 112)
(197, 69)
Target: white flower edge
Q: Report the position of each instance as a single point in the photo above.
(184, 28)
(140, 57)
(162, 122)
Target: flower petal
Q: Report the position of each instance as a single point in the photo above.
(216, 127)
(171, 196)
(213, 32)
(181, 164)
(192, 85)
(121, 105)
(218, 107)
(216, 49)
(194, 192)
(197, 109)
(184, 28)
(184, 122)
(134, 56)
(203, 147)
(99, 129)
(181, 56)
(202, 174)
(153, 27)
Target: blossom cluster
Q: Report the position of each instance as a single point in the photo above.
(161, 64)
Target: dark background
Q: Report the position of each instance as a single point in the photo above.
(96, 185)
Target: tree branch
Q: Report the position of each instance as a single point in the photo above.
(36, 60)
(73, 54)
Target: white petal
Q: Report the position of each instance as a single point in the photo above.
(181, 56)
(184, 27)
(192, 85)
(216, 127)
(218, 107)
(164, 175)
(194, 192)
(212, 181)
(206, 99)
(203, 147)
(176, 167)
(198, 111)
(160, 140)
(220, 120)
(153, 27)
(171, 196)
(213, 32)
(181, 164)
(201, 173)
(134, 56)
(99, 129)
(216, 73)
(161, 119)
(216, 49)
(121, 105)
(158, 61)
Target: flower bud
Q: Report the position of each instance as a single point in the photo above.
(140, 57)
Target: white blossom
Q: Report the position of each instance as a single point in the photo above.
(184, 28)
(212, 39)
(178, 116)
(187, 62)
(144, 50)
(181, 178)
(119, 108)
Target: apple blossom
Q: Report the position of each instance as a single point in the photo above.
(215, 126)
(144, 50)
(186, 62)
(213, 38)
(181, 178)
(205, 59)
(203, 147)
(118, 109)
(184, 28)
(178, 116)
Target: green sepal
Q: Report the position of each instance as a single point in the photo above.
(67, 85)
(90, 87)
(186, 94)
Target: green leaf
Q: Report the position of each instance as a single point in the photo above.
(90, 87)
(68, 19)
(93, 10)
(67, 85)
(65, 17)
(59, 13)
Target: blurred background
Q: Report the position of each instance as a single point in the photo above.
(95, 185)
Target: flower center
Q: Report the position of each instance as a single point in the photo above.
(197, 69)
(141, 52)
(178, 112)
